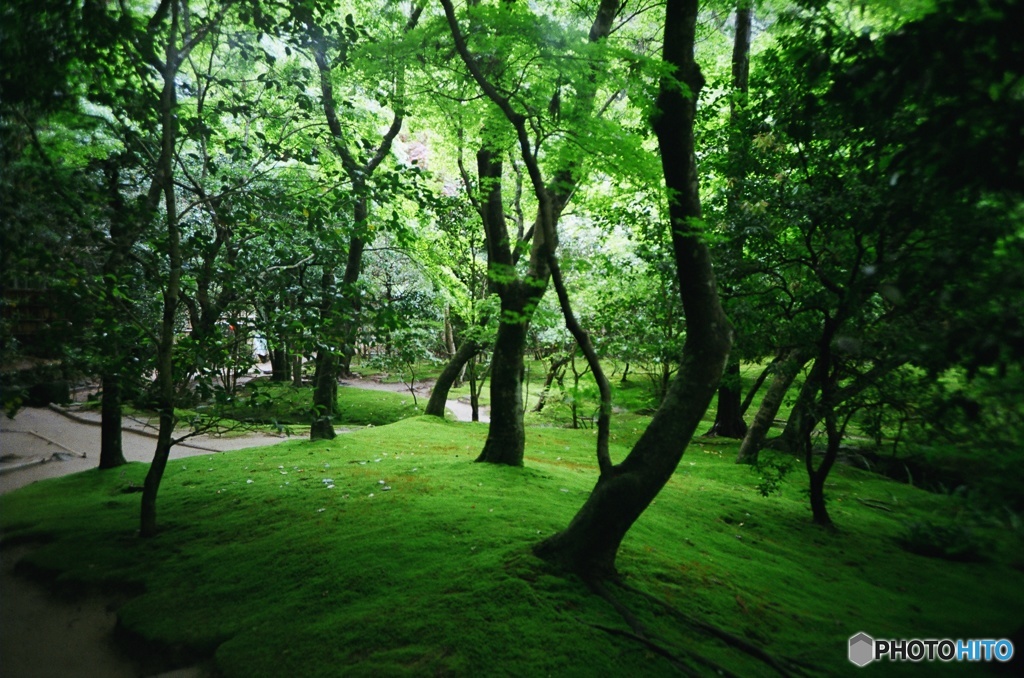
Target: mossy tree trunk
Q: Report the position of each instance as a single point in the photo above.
(588, 546)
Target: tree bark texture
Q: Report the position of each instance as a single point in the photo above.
(280, 365)
(588, 546)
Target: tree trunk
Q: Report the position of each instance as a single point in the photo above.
(729, 413)
(325, 396)
(280, 365)
(506, 436)
(111, 451)
(785, 374)
(758, 383)
(802, 418)
(449, 375)
(819, 507)
(297, 371)
(151, 485)
(589, 544)
(325, 379)
(728, 419)
(171, 293)
(555, 365)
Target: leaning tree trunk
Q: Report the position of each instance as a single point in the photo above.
(787, 370)
(589, 544)
(449, 375)
(111, 450)
(802, 418)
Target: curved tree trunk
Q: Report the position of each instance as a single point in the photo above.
(786, 371)
(449, 375)
(589, 544)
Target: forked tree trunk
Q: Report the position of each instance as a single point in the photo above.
(449, 375)
(589, 544)
(786, 371)
(520, 296)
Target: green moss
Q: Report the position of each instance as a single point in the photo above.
(266, 402)
(417, 561)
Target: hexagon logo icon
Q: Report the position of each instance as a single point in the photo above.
(862, 649)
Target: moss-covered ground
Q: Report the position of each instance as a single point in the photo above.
(388, 552)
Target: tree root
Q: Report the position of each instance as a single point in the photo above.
(721, 634)
(640, 634)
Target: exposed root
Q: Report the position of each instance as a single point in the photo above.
(721, 634)
(650, 645)
(640, 634)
